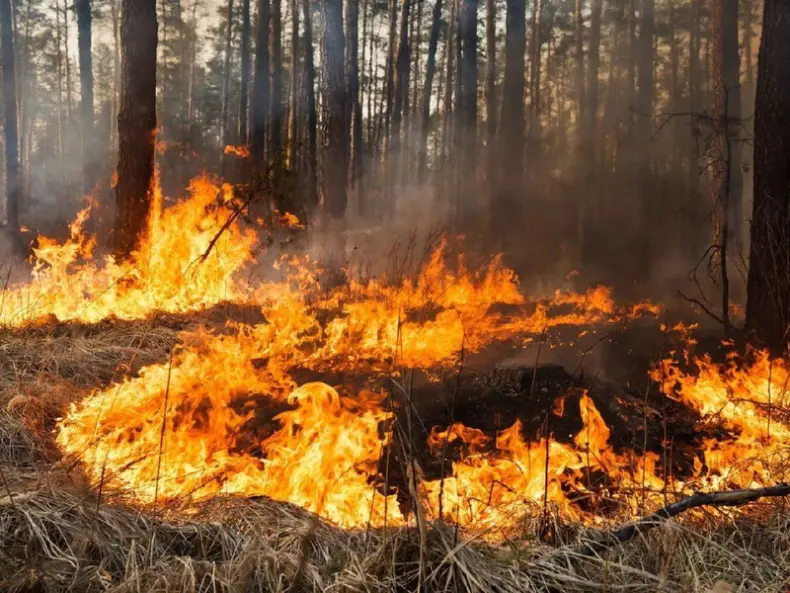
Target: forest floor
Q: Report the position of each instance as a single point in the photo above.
(57, 533)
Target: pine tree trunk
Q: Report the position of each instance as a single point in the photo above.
(511, 136)
(580, 79)
(311, 148)
(336, 174)
(69, 86)
(26, 132)
(276, 66)
(10, 124)
(353, 107)
(136, 124)
(430, 71)
(593, 85)
(468, 120)
(535, 131)
(245, 71)
(259, 112)
(450, 43)
(694, 93)
(116, 80)
(86, 88)
(491, 105)
(768, 304)
(225, 135)
(293, 110)
(400, 99)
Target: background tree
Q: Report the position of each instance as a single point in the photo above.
(10, 120)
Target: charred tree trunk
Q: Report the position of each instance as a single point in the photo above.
(86, 87)
(511, 136)
(353, 107)
(259, 112)
(293, 110)
(225, 135)
(311, 140)
(400, 99)
(491, 96)
(468, 111)
(768, 304)
(276, 64)
(10, 124)
(136, 124)
(430, 71)
(336, 174)
(245, 71)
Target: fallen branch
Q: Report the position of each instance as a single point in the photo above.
(718, 499)
(707, 311)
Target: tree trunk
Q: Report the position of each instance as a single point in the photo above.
(69, 86)
(336, 174)
(400, 99)
(136, 124)
(353, 107)
(311, 148)
(86, 88)
(593, 85)
(491, 97)
(768, 304)
(225, 135)
(276, 66)
(293, 110)
(511, 136)
(259, 113)
(25, 117)
(468, 100)
(535, 132)
(116, 81)
(694, 94)
(245, 71)
(430, 71)
(451, 41)
(10, 125)
(580, 80)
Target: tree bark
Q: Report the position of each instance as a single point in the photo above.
(468, 111)
(353, 107)
(593, 85)
(225, 135)
(276, 65)
(491, 97)
(136, 124)
(69, 87)
(768, 303)
(311, 148)
(245, 72)
(259, 112)
(511, 136)
(535, 132)
(580, 79)
(293, 110)
(430, 71)
(11, 132)
(336, 174)
(400, 99)
(86, 88)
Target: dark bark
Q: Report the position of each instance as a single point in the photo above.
(491, 120)
(311, 140)
(535, 132)
(226, 74)
(293, 109)
(86, 88)
(400, 98)
(336, 173)
(245, 71)
(276, 66)
(580, 80)
(768, 304)
(430, 72)
(259, 111)
(593, 85)
(10, 124)
(353, 107)
(136, 123)
(511, 136)
(468, 110)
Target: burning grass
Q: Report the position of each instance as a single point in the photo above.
(146, 393)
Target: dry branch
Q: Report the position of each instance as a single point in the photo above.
(719, 499)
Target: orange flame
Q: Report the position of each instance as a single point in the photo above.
(241, 151)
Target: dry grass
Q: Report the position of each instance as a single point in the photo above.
(56, 536)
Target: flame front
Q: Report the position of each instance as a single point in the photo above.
(225, 415)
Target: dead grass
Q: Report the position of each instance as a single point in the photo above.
(55, 536)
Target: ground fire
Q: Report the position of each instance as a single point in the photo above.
(226, 413)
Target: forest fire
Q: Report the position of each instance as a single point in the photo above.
(226, 414)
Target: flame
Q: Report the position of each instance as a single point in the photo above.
(290, 221)
(172, 271)
(241, 151)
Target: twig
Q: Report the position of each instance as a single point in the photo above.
(718, 499)
(707, 311)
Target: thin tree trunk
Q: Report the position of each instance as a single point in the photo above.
(116, 81)
(535, 131)
(293, 111)
(86, 88)
(468, 111)
(10, 124)
(447, 127)
(136, 124)
(276, 66)
(370, 79)
(336, 174)
(396, 157)
(245, 71)
(25, 108)
(430, 71)
(592, 84)
(491, 104)
(580, 79)
(353, 106)
(59, 74)
(260, 91)
(311, 148)
(69, 87)
(768, 303)
(225, 135)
